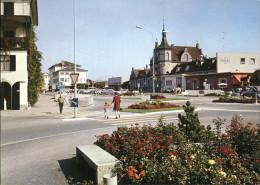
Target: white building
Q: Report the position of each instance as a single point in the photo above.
(46, 78)
(237, 62)
(116, 82)
(16, 17)
(61, 73)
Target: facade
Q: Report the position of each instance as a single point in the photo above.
(61, 73)
(46, 78)
(186, 67)
(166, 58)
(140, 79)
(116, 82)
(16, 17)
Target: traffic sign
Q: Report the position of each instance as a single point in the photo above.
(60, 85)
(74, 78)
(74, 102)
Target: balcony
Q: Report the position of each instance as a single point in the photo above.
(17, 43)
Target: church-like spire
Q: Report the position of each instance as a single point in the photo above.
(164, 44)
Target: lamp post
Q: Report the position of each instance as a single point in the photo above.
(75, 85)
(139, 27)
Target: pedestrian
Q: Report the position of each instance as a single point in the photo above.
(116, 101)
(106, 110)
(60, 101)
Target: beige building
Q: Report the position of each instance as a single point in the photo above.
(237, 62)
(16, 18)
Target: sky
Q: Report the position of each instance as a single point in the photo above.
(108, 44)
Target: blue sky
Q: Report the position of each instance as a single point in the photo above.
(108, 44)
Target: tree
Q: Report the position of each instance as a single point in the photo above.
(35, 76)
(190, 124)
(255, 79)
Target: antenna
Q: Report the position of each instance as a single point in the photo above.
(223, 40)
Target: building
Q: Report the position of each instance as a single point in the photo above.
(61, 73)
(116, 82)
(227, 71)
(186, 67)
(17, 16)
(140, 79)
(166, 58)
(46, 78)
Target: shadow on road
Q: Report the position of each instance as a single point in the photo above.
(73, 172)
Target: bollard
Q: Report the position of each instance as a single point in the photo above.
(110, 179)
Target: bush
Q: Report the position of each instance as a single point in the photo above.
(157, 96)
(235, 100)
(164, 154)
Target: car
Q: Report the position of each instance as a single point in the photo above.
(251, 93)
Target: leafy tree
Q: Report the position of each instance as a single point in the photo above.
(35, 76)
(190, 124)
(255, 79)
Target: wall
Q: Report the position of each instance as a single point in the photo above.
(230, 62)
(20, 75)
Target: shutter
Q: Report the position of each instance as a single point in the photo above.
(12, 62)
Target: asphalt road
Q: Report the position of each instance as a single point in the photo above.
(40, 148)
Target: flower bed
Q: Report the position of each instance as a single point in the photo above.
(235, 100)
(153, 105)
(165, 155)
(157, 96)
(129, 93)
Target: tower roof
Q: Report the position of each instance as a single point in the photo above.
(164, 44)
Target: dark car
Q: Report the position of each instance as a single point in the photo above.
(251, 93)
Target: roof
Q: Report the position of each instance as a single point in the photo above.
(164, 44)
(71, 69)
(195, 66)
(177, 51)
(65, 63)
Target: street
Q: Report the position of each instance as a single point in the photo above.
(38, 145)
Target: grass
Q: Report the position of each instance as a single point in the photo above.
(150, 110)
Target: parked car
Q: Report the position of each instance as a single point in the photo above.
(251, 93)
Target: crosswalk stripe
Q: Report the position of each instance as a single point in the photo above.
(130, 119)
(127, 120)
(144, 121)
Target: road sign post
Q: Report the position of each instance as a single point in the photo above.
(60, 85)
(74, 79)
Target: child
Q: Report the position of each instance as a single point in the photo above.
(106, 110)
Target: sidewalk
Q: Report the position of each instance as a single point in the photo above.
(45, 104)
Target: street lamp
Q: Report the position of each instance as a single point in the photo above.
(139, 27)
(75, 85)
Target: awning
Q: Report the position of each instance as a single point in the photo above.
(237, 78)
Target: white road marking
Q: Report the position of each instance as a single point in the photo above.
(230, 110)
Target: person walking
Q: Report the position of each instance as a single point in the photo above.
(106, 109)
(60, 101)
(116, 101)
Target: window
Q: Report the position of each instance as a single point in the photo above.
(8, 8)
(66, 73)
(168, 56)
(9, 34)
(252, 60)
(62, 79)
(67, 79)
(242, 60)
(168, 82)
(222, 82)
(61, 73)
(8, 63)
(186, 57)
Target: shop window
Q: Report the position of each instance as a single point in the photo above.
(222, 82)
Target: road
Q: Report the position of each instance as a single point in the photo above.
(39, 148)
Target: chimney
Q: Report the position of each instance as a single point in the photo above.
(156, 44)
(197, 45)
